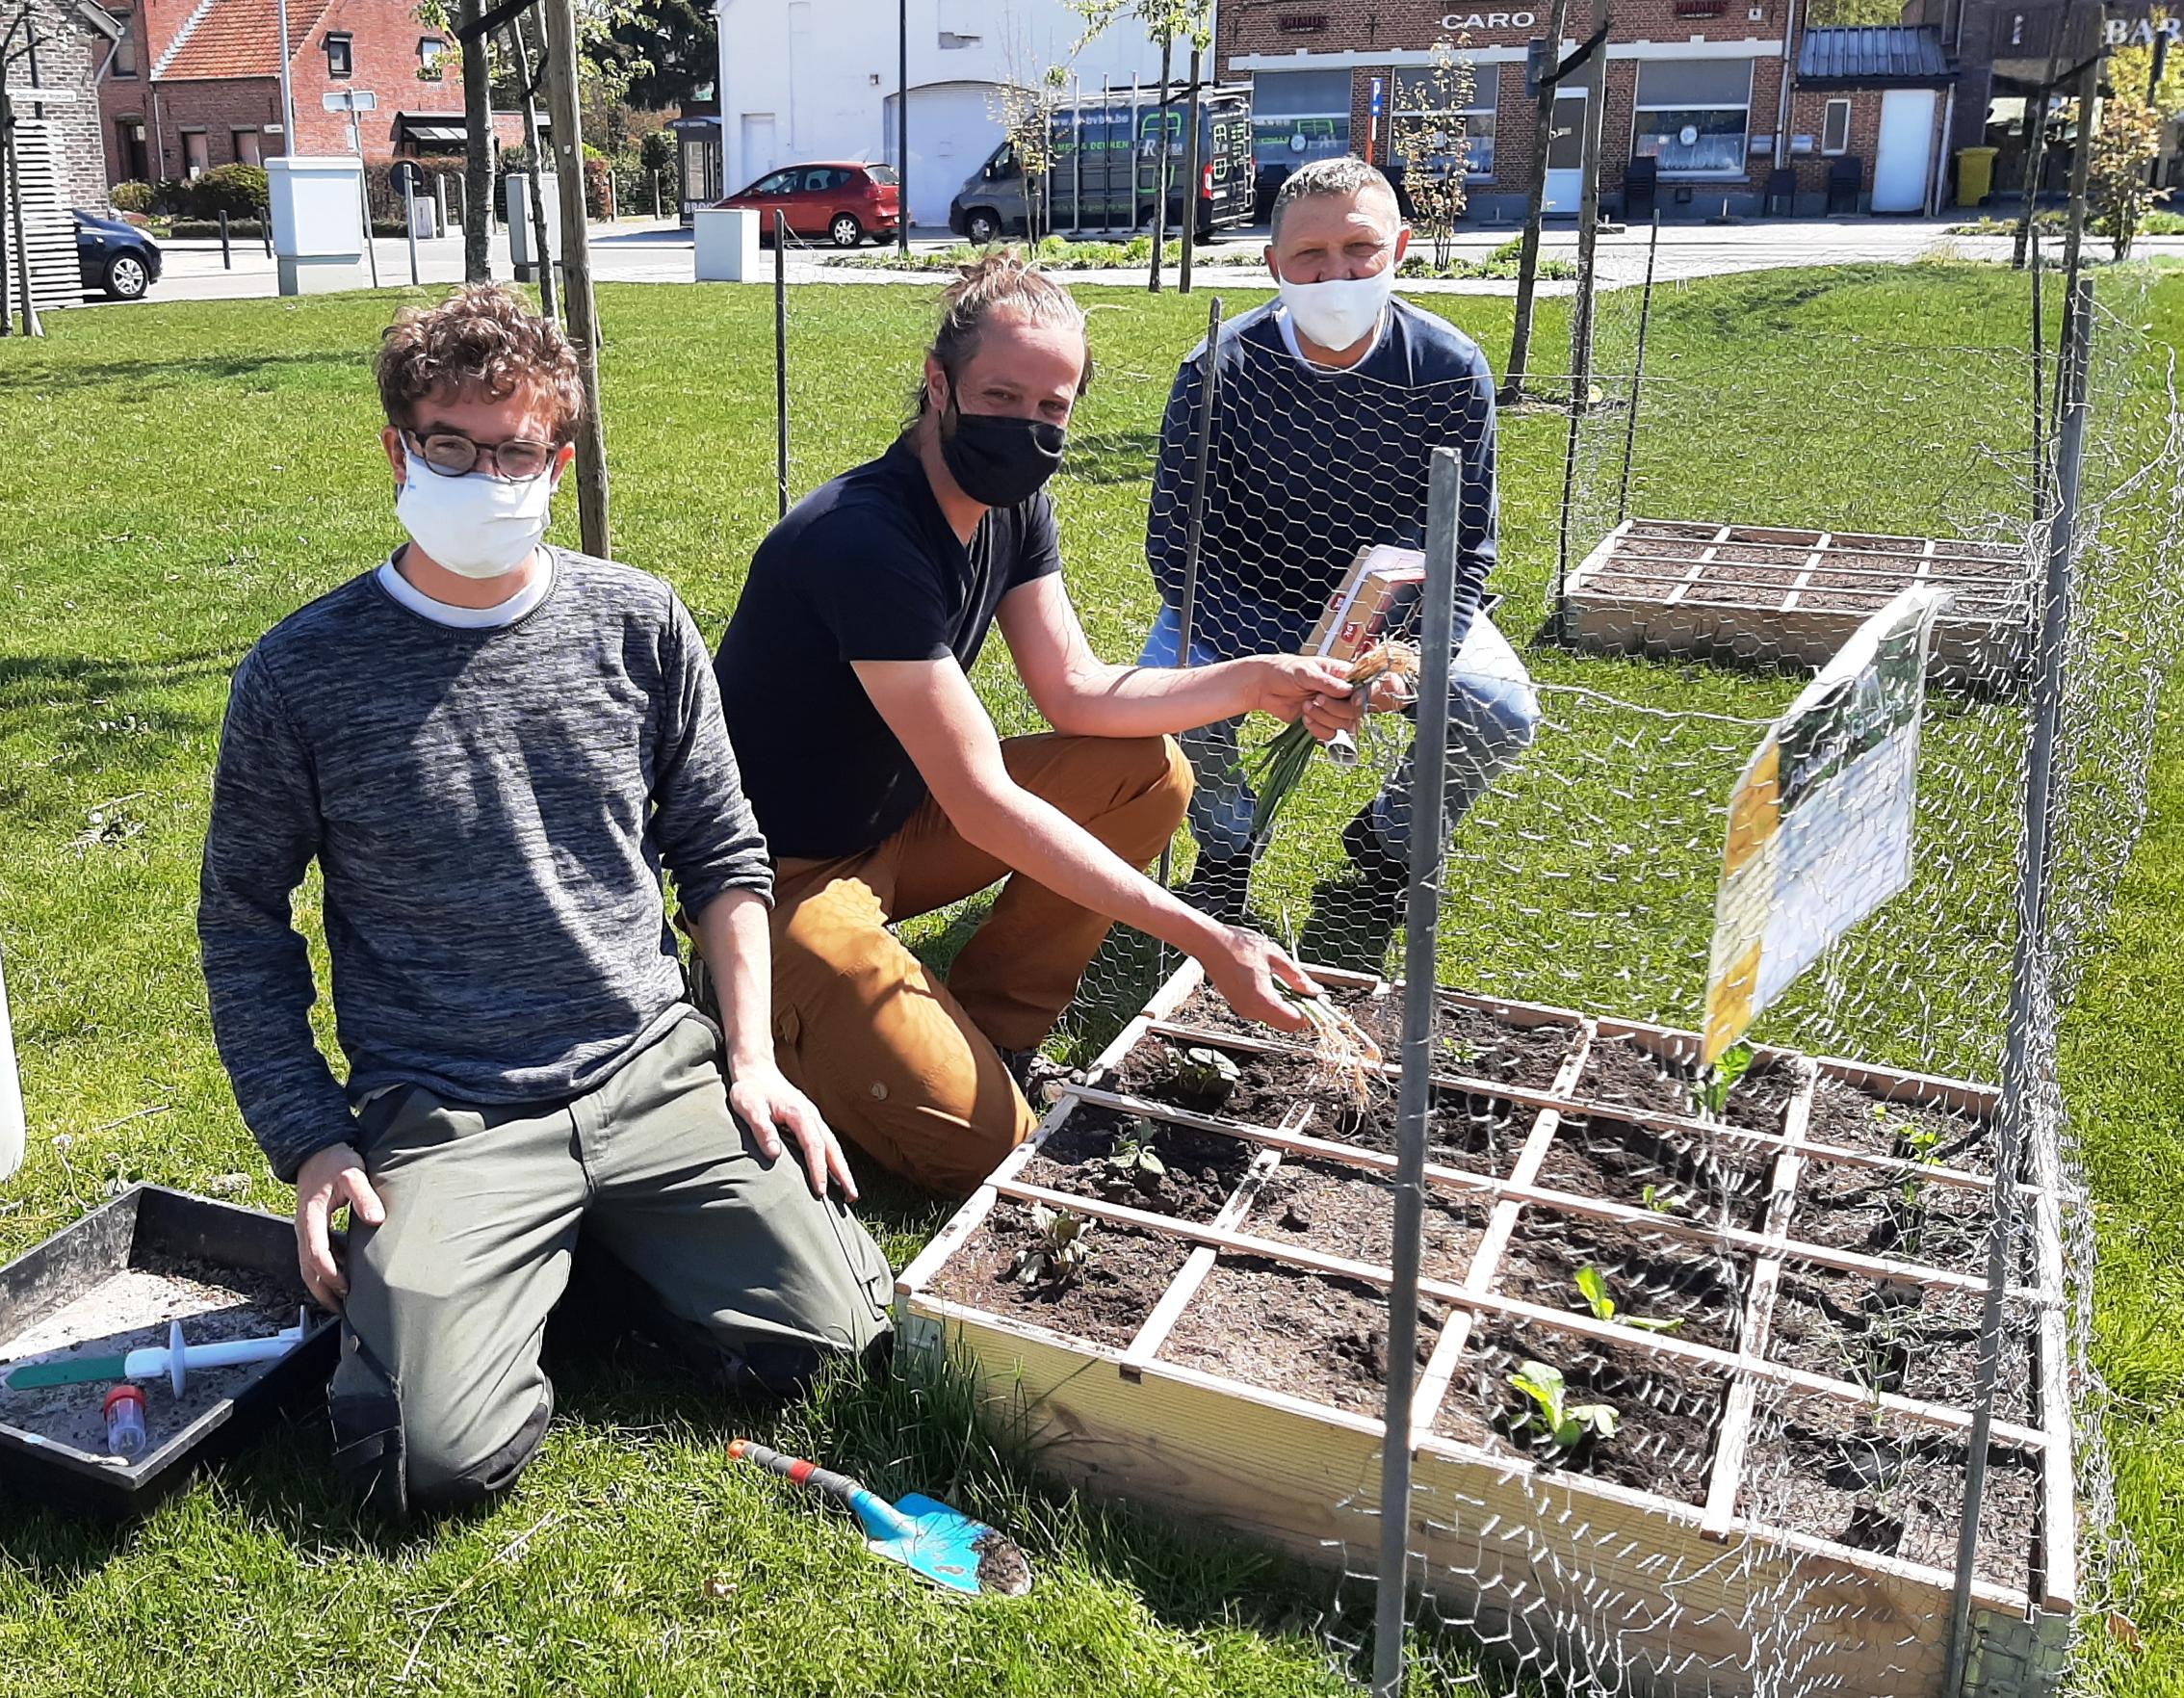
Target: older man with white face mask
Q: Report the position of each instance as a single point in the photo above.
(1332, 398)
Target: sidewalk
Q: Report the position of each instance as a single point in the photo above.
(646, 251)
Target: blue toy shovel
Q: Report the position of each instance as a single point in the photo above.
(927, 1538)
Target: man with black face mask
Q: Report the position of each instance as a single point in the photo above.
(885, 792)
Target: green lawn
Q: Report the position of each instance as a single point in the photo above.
(181, 476)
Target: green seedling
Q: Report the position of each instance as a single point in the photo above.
(1061, 1253)
(1593, 1287)
(1206, 1075)
(1132, 1164)
(1566, 1425)
(1716, 1081)
(1662, 1199)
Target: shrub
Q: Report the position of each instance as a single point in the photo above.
(233, 188)
(131, 196)
(206, 230)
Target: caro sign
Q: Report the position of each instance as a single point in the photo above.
(1456, 21)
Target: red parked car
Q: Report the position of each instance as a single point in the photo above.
(840, 199)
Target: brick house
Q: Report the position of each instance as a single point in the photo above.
(72, 38)
(1704, 89)
(198, 85)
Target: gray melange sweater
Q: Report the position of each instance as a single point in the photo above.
(490, 810)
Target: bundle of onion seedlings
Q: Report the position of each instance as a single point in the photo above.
(1346, 1058)
(1282, 763)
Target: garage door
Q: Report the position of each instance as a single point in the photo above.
(953, 129)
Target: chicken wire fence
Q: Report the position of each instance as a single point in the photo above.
(1728, 514)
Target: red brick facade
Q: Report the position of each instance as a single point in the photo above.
(207, 88)
(1724, 60)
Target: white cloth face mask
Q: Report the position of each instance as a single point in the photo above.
(476, 526)
(1337, 313)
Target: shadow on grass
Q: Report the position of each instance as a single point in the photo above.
(138, 375)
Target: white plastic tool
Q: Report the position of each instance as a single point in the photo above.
(175, 1359)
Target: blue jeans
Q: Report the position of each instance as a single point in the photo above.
(1493, 715)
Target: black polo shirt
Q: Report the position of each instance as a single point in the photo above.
(863, 568)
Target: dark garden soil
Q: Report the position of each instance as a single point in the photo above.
(1667, 1409)
(1467, 1040)
(1721, 1181)
(1324, 1340)
(1894, 1214)
(1107, 1303)
(1651, 1276)
(1622, 1072)
(1846, 1114)
(1847, 1474)
(131, 1310)
(1342, 1210)
(1195, 1174)
(1889, 1335)
(1481, 1135)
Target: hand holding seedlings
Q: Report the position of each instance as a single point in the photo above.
(1389, 669)
(1061, 1253)
(1593, 1287)
(1346, 1055)
(1564, 1423)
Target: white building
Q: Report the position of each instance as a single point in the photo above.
(815, 79)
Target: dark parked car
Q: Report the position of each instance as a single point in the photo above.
(116, 258)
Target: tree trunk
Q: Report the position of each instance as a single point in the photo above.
(1535, 216)
(559, 27)
(2035, 144)
(1589, 222)
(527, 85)
(478, 153)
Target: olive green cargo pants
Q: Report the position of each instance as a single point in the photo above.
(439, 1397)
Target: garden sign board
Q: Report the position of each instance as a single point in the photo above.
(1820, 820)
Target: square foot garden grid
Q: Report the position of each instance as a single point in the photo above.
(1766, 595)
(1779, 1309)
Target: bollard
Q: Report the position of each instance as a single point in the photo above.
(655, 196)
(226, 256)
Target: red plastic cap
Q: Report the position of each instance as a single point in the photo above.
(121, 1395)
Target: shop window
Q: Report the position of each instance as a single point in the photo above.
(1429, 105)
(1299, 116)
(1834, 128)
(1694, 115)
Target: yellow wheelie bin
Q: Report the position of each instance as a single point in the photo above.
(1975, 174)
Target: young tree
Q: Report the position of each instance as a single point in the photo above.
(1428, 132)
(1024, 106)
(2133, 119)
(1535, 218)
(1168, 22)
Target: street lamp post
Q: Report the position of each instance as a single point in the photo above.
(288, 98)
(903, 127)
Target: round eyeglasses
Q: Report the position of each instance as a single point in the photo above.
(516, 461)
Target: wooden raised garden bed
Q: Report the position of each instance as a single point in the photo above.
(1763, 595)
(1777, 1510)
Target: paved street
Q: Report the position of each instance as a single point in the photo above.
(651, 252)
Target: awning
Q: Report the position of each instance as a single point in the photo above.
(414, 130)
(442, 129)
(1879, 56)
(697, 128)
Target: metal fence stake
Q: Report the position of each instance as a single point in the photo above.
(1429, 755)
(2028, 966)
(1638, 371)
(1194, 521)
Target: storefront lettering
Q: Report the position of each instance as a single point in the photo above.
(2123, 33)
(1456, 21)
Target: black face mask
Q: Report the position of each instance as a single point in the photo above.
(997, 460)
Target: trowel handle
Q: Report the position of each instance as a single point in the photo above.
(880, 1517)
(838, 1486)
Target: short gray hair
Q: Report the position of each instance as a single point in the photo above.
(1347, 175)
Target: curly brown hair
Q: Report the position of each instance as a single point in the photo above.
(999, 284)
(482, 343)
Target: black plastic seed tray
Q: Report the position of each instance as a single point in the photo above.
(114, 1282)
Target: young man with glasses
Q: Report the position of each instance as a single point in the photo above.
(492, 748)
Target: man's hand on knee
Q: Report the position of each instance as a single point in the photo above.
(769, 1104)
(333, 1176)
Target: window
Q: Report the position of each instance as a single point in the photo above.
(247, 147)
(123, 64)
(339, 62)
(1834, 129)
(1693, 115)
(197, 156)
(1299, 116)
(780, 183)
(1426, 111)
(428, 51)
